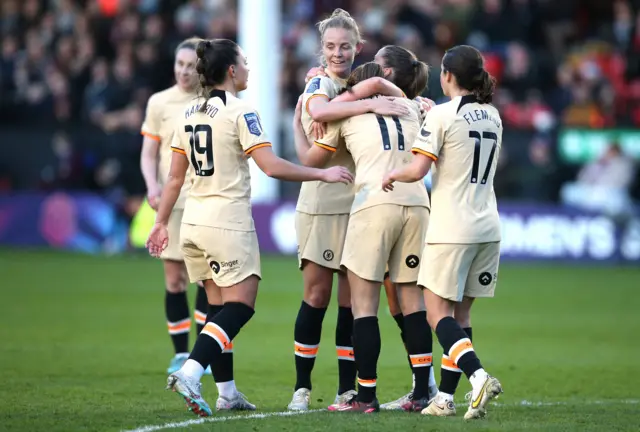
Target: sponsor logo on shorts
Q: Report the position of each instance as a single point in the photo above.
(223, 265)
(412, 261)
(327, 255)
(485, 278)
(215, 266)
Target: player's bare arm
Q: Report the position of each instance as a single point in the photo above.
(159, 237)
(309, 155)
(276, 167)
(413, 172)
(321, 110)
(367, 88)
(149, 168)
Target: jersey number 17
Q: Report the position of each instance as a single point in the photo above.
(475, 168)
(197, 148)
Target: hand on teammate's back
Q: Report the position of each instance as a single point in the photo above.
(337, 174)
(314, 72)
(425, 104)
(318, 129)
(388, 106)
(158, 240)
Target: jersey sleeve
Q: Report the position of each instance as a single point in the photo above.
(176, 142)
(318, 87)
(331, 138)
(250, 131)
(431, 136)
(152, 120)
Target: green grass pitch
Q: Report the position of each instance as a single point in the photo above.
(84, 347)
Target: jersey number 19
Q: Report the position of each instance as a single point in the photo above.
(197, 148)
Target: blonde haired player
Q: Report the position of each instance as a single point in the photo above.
(460, 260)
(216, 135)
(155, 159)
(391, 229)
(322, 214)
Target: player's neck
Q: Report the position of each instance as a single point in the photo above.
(227, 87)
(454, 93)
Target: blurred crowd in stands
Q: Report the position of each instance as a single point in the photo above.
(82, 70)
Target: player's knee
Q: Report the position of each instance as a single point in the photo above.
(175, 282)
(317, 296)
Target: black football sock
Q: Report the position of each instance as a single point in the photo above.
(176, 309)
(344, 350)
(419, 346)
(202, 308)
(450, 373)
(366, 344)
(457, 344)
(307, 332)
(216, 336)
(222, 370)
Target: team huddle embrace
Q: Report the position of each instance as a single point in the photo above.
(365, 139)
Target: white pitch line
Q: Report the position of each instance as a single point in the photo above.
(152, 428)
(221, 419)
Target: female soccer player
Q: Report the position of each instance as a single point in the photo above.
(460, 262)
(391, 229)
(155, 160)
(322, 214)
(400, 66)
(215, 135)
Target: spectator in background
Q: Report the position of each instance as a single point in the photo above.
(73, 64)
(603, 185)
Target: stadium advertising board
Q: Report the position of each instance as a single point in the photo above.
(91, 224)
(584, 145)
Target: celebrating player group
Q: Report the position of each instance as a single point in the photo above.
(366, 139)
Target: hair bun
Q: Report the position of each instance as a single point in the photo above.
(203, 45)
(340, 12)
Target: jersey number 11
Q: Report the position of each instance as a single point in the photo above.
(197, 148)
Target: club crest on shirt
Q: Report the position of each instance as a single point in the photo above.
(253, 124)
(314, 85)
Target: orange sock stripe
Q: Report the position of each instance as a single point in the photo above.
(459, 349)
(449, 364)
(421, 360)
(201, 318)
(179, 327)
(218, 334)
(306, 351)
(228, 349)
(345, 353)
(367, 382)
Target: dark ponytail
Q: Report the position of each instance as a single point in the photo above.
(409, 73)
(467, 65)
(485, 89)
(214, 58)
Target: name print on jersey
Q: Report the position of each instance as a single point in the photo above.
(478, 115)
(211, 110)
